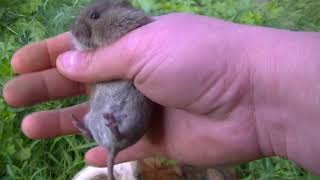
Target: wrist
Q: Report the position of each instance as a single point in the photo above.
(286, 78)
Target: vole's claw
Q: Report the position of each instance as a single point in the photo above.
(113, 125)
(81, 127)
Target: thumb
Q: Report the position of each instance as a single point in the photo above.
(102, 64)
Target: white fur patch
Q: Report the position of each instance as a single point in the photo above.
(123, 171)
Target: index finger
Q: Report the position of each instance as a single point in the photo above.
(41, 55)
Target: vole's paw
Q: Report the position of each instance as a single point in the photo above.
(81, 127)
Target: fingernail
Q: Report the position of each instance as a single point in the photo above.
(72, 61)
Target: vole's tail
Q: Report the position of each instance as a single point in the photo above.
(111, 157)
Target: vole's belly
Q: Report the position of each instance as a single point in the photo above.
(126, 104)
(110, 94)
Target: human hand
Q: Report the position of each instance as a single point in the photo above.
(211, 77)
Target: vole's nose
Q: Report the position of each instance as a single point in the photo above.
(76, 33)
(81, 30)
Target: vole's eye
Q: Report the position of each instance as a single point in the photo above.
(94, 15)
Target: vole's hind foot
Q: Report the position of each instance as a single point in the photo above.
(81, 127)
(113, 125)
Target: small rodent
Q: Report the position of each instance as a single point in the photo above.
(118, 113)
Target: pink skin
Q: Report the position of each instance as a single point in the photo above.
(229, 93)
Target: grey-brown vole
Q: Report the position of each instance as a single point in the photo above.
(118, 114)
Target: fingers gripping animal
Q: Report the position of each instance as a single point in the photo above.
(118, 113)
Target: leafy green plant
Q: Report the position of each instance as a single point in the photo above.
(25, 21)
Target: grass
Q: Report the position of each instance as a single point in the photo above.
(24, 21)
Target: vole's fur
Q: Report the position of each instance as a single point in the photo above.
(116, 18)
(119, 113)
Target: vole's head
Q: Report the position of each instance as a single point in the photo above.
(105, 21)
